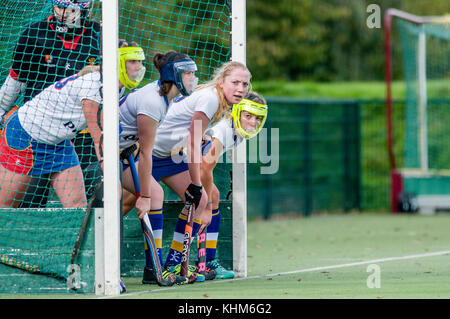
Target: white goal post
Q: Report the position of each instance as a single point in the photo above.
(111, 182)
(238, 53)
(108, 219)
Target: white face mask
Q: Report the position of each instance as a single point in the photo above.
(138, 76)
(190, 87)
(69, 16)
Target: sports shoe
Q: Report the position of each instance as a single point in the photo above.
(210, 273)
(221, 272)
(193, 276)
(150, 278)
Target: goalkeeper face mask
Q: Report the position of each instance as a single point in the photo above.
(69, 14)
(248, 117)
(131, 77)
(182, 74)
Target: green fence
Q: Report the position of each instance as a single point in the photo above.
(317, 166)
(332, 157)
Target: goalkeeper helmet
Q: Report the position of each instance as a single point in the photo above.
(257, 109)
(70, 13)
(126, 54)
(173, 72)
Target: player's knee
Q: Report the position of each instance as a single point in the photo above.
(157, 196)
(215, 195)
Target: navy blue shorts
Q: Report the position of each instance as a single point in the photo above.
(165, 166)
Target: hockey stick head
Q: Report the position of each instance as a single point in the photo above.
(187, 239)
(148, 237)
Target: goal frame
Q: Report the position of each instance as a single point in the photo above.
(396, 174)
(108, 219)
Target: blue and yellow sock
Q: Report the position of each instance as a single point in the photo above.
(212, 235)
(176, 249)
(156, 220)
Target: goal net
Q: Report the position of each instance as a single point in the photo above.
(43, 212)
(419, 157)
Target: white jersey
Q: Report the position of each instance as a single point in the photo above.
(172, 134)
(145, 100)
(56, 114)
(224, 132)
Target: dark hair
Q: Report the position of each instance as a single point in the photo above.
(124, 43)
(160, 60)
(255, 97)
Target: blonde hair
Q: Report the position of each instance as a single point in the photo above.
(218, 77)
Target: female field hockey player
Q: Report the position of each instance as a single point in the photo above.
(36, 137)
(244, 122)
(182, 130)
(47, 51)
(140, 114)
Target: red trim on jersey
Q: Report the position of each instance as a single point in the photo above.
(68, 44)
(17, 161)
(13, 74)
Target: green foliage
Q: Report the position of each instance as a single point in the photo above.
(323, 40)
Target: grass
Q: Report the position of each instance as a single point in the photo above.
(327, 256)
(295, 244)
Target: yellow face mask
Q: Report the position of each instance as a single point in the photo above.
(253, 108)
(126, 54)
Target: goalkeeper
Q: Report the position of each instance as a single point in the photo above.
(244, 122)
(48, 51)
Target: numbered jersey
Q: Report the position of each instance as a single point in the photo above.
(56, 113)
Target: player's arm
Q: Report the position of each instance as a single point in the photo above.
(209, 162)
(200, 121)
(147, 132)
(94, 120)
(198, 126)
(13, 86)
(9, 92)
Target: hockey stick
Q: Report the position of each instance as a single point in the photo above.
(202, 252)
(95, 195)
(201, 262)
(187, 241)
(72, 267)
(148, 232)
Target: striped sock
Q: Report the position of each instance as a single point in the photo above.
(212, 235)
(176, 249)
(156, 220)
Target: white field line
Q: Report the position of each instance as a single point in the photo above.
(359, 263)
